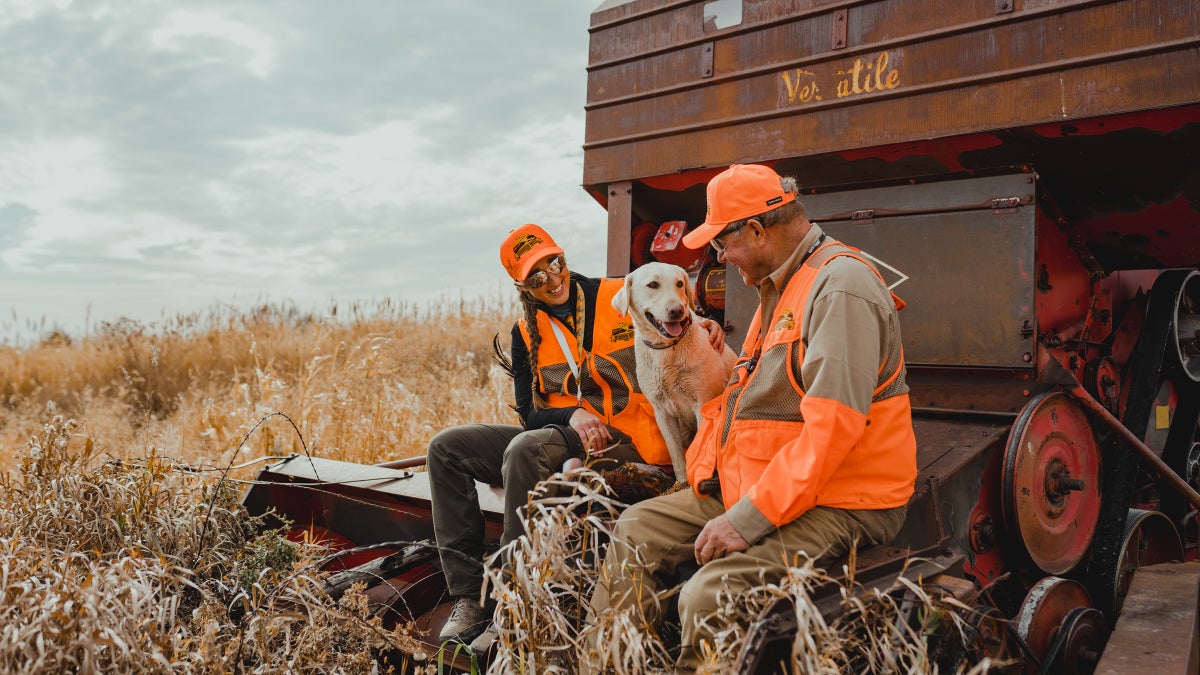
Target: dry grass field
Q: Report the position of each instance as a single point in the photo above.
(121, 552)
(116, 552)
(362, 384)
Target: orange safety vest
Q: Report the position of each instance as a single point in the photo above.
(754, 435)
(608, 373)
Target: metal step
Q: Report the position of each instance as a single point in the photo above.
(1158, 631)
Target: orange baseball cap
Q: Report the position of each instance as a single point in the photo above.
(737, 193)
(523, 247)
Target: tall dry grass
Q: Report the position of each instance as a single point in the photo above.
(120, 567)
(363, 384)
(543, 626)
(120, 553)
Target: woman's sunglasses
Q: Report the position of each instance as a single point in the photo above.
(540, 277)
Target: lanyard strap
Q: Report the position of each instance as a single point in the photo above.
(566, 349)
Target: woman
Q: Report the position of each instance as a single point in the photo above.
(574, 380)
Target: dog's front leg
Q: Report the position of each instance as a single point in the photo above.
(675, 432)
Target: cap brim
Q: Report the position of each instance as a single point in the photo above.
(542, 255)
(700, 236)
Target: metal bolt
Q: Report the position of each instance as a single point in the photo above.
(1069, 484)
(985, 535)
(1060, 483)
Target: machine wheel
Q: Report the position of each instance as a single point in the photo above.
(1193, 466)
(1078, 643)
(1150, 538)
(1187, 326)
(990, 638)
(1102, 378)
(1044, 612)
(1050, 487)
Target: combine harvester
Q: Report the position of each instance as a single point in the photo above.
(1026, 173)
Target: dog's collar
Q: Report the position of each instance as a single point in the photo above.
(659, 345)
(671, 341)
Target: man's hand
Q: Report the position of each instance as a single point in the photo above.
(718, 539)
(716, 334)
(592, 431)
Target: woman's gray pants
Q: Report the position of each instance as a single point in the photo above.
(500, 455)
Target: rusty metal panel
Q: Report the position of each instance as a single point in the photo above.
(779, 91)
(986, 193)
(969, 390)
(1158, 632)
(951, 457)
(949, 253)
(368, 504)
(968, 300)
(961, 266)
(839, 29)
(620, 223)
(642, 27)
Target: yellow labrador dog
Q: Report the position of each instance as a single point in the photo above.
(678, 369)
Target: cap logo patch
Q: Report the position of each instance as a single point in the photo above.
(774, 200)
(524, 243)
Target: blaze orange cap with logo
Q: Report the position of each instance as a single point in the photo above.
(523, 247)
(737, 193)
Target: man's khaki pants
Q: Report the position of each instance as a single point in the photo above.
(664, 531)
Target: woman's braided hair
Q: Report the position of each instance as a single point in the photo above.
(530, 304)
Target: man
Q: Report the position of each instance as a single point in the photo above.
(809, 449)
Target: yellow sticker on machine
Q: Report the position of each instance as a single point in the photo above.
(1162, 416)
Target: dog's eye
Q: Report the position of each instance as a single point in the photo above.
(679, 283)
(652, 284)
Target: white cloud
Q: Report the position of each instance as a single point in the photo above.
(18, 11)
(210, 36)
(382, 165)
(55, 171)
(56, 179)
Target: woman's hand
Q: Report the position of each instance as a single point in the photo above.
(716, 334)
(592, 431)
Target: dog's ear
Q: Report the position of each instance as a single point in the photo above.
(620, 301)
(691, 291)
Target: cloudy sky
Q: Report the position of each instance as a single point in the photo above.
(160, 157)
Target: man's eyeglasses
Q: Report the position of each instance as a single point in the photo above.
(718, 243)
(540, 277)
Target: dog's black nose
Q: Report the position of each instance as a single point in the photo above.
(675, 313)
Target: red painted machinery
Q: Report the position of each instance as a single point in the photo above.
(1026, 174)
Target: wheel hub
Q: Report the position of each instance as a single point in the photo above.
(1051, 482)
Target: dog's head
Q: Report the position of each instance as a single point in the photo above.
(659, 298)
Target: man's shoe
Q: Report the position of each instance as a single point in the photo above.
(467, 620)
